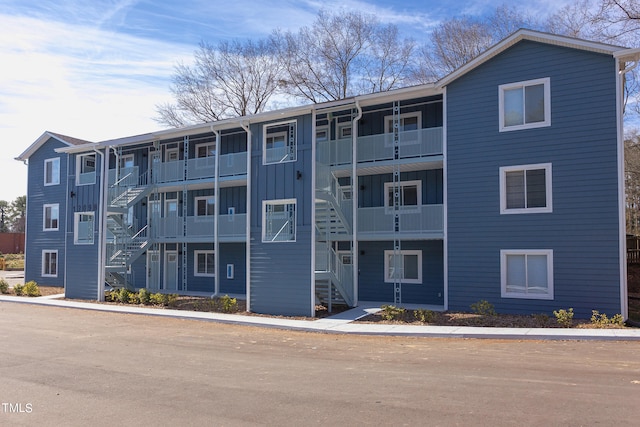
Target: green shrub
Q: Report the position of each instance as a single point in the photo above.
(144, 296)
(391, 312)
(564, 317)
(31, 289)
(4, 286)
(228, 304)
(602, 321)
(163, 299)
(483, 308)
(423, 315)
(18, 289)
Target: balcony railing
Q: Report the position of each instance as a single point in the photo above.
(413, 219)
(229, 226)
(414, 143)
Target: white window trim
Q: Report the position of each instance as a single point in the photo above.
(169, 151)
(195, 205)
(44, 217)
(195, 264)
(340, 128)
(322, 130)
(205, 144)
(388, 129)
(55, 180)
(123, 160)
(547, 104)
(79, 163)
(523, 295)
(49, 251)
(76, 223)
(264, 219)
(388, 186)
(417, 281)
(548, 189)
(265, 128)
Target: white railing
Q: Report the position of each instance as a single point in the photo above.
(414, 143)
(129, 177)
(233, 164)
(200, 226)
(168, 171)
(202, 167)
(232, 225)
(413, 219)
(86, 178)
(335, 152)
(327, 183)
(327, 260)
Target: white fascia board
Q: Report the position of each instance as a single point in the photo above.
(37, 144)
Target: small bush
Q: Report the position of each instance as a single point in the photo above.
(483, 308)
(602, 321)
(564, 317)
(423, 315)
(228, 304)
(144, 296)
(391, 312)
(31, 289)
(163, 299)
(4, 286)
(18, 289)
(122, 295)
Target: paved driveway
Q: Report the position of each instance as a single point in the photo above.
(75, 367)
(12, 277)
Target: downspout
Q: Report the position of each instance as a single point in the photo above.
(313, 214)
(102, 241)
(354, 200)
(247, 129)
(216, 191)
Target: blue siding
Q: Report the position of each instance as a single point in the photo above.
(371, 284)
(281, 272)
(39, 195)
(371, 187)
(236, 254)
(580, 144)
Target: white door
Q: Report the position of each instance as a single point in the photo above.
(153, 269)
(173, 226)
(171, 270)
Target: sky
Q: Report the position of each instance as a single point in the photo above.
(96, 69)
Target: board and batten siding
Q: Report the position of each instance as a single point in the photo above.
(82, 267)
(38, 195)
(580, 144)
(280, 277)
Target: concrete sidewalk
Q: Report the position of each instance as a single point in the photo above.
(343, 323)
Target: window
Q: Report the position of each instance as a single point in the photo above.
(127, 161)
(525, 189)
(525, 105)
(527, 273)
(344, 131)
(205, 205)
(204, 264)
(322, 134)
(52, 171)
(83, 228)
(172, 154)
(279, 220)
(206, 150)
(279, 143)
(49, 263)
(406, 267)
(86, 167)
(230, 273)
(408, 121)
(410, 194)
(51, 214)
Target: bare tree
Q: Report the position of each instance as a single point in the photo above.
(228, 80)
(341, 55)
(632, 181)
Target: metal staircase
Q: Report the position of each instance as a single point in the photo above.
(125, 242)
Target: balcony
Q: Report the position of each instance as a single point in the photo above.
(230, 228)
(200, 168)
(376, 148)
(426, 221)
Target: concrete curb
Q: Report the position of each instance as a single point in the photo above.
(343, 325)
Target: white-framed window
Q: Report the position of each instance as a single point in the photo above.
(526, 189)
(322, 134)
(172, 154)
(205, 205)
(410, 194)
(525, 105)
(51, 217)
(407, 122)
(344, 130)
(205, 149)
(204, 264)
(526, 273)
(279, 220)
(279, 142)
(52, 171)
(49, 263)
(83, 228)
(345, 257)
(127, 161)
(86, 169)
(405, 267)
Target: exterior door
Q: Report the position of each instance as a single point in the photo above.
(153, 269)
(171, 270)
(155, 161)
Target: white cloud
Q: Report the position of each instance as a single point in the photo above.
(76, 80)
